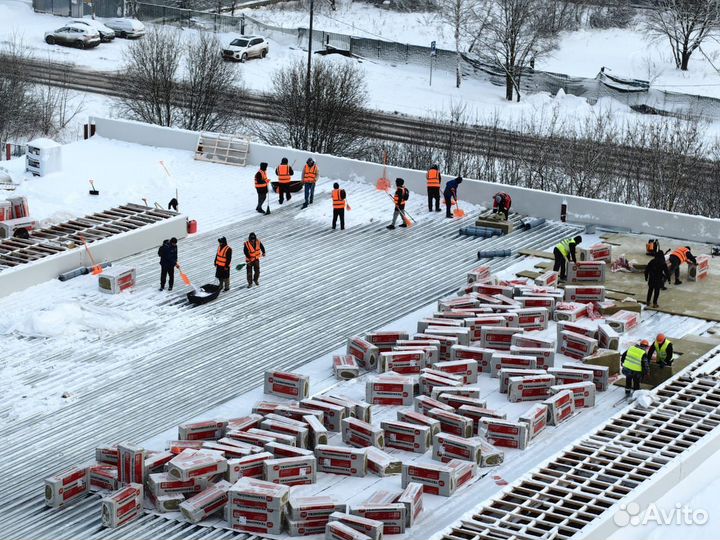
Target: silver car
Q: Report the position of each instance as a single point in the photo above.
(126, 28)
(75, 35)
(106, 34)
(246, 47)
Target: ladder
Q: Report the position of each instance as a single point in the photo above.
(220, 148)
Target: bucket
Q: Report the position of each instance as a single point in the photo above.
(191, 226)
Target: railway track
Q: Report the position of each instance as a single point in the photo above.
(495, 143)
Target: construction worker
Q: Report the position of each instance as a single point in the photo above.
(262, 184)
(434, 180)
(168, 262)
(663, 349)
(635, 365)
(339, 202)
(450, 194)
(677, 257)
(309, 177)
(564, 252)
(656, 274)
(223, 258)
(253, 250)
(501, 204)
(401, 196)
(284, 174)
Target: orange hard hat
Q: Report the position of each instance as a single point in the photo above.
(660, 338)
(645, 343)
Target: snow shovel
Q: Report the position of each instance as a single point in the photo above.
(93, 191)
(240, 266)
(407, 218)
(183, 276)
(458, 212)
(96, 268)
(383, 184)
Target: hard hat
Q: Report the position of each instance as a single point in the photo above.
(661, 338)
(645, 343)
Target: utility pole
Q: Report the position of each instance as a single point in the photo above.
(307, 78)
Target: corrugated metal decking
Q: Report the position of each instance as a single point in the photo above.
(318, 287)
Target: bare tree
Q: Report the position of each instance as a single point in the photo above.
(684, 23)
(151, 67)
(210, 86)
(16, 93)
(338, 96)
(513, 37)
(466, 17)
(55, 107)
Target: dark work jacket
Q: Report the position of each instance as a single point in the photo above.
(451, 189)
(656, 272)
(168, 255)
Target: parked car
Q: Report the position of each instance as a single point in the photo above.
(75, 35)
(246, 47)
(106, 34)
(126, 28)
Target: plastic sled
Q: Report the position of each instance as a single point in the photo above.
(207, 293)
(295, 186)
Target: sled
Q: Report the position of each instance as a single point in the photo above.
(295, 186)
(206, 293)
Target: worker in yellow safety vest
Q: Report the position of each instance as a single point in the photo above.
(635, 365)
(564, 252)
(662, 347)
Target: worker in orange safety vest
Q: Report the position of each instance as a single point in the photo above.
(254, 250)
(339, 200)
(223, 258)
(284, 173)
(309, 177)
(677, 258)
(262, 184)
(434, 179)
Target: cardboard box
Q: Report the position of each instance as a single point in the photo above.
(464, 471)
(576, 345)
(596, 252)
(122, 506)
(209, 430)
(432, 353)
(385, 340)
(600, 374)
(509, 360)
(462, 302)
(477, 413)
(608, 338)
(228, 450)
(452, 423)
(442, 375)
(364, 352)
(317, 432)
(447, 447)
(252, 520)
(294, 414)
(155, 462)
(291, 471)
(206, 503)
(103, 477)
(259, 494)
(423, 324)
(381, 463)
(279, 450)
(480, 274)
(412, 498)
(131, 464)
(561, 406)
(191, 464)
(505, 374)
(504, 433)
(525, 339)
(586, 329)
(607, 358)
(166, 503)
(392, 516)
(545, 358)
(413, 417)
(423, 404)
(247, 467)
(467, 369)
(498, 337)
(565, 375)
(345, 367)
(407, 436)
(583, 393)
(427, 381)
(586, 272)
(382, 496)
(176, 447)
(457, 401)
(257, 440)
(403, 362)
(356, 409)
(67, 486)
(160, 484)
(476, 323)
(491, 456)
(300, 433)
(491, 290)
(529, 388)
(462, 334)
(547, 279)
(436, 478)
(446, 343)
(464, 391)
(362, 434)
(701, 270)
(533, 318)
(393, 392)
(244, 423)
(288, 385)
(305, 508)
(273, 436)
(107, 453)
(334, 530)
(300, 423)
(261, 408)
(584, 293)
(253, 449)
(546, 302)
(570, 311)
(369, 528)
(623, 321)
(536, 419)
(306, 527)
(333, 412)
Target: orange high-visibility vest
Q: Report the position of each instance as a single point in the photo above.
(338, 201)
(254, 251)
(221, 258)
(284, 174)
(399, 198)
(310, 174)
(264, 183)
(433, 178)
(681, 253)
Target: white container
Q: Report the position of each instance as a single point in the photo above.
(116, 279)
(44, 156)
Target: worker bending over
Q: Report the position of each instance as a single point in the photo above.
(253, 250)
(434, 179)
(501, 204)
(450, 194)
(635, 365)
(565, 251)
(677, 257)
(663, 349)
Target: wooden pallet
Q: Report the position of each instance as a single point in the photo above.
(219, 148)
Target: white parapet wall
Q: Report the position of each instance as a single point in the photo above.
(106, 250)
(532, 202)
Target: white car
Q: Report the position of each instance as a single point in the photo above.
(106, 34)
(126, 28)
(246, 47)
(75, 35)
